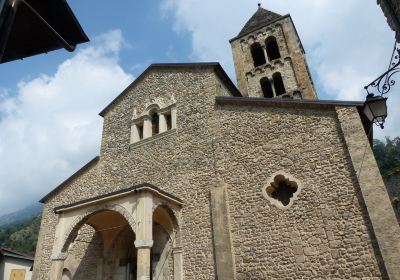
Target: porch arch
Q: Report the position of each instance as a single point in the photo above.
(174, 227)
(79, 221)
(167, 243)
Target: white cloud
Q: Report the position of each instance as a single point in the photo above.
(348, 43)
(51, 127)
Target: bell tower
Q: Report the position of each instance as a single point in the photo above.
(270, 60)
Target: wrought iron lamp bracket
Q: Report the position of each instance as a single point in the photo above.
(384, 83)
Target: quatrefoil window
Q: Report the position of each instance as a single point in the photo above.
(281, 190)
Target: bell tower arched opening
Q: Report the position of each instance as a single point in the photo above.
(271, 40)
(278, 84)
(272, 48)
(257, 53)
(266, 88)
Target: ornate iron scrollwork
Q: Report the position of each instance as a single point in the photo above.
(384, 83)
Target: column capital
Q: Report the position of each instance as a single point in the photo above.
(143, 243)
(59, 256)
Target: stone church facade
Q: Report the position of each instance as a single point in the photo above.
(198, 179)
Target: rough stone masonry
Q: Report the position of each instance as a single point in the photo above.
(197, 179)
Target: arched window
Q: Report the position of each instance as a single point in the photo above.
(266, 88)
(272, 48)
(154, 123)
(257, 54)
(278, 84)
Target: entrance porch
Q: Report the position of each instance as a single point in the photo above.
(129, 234)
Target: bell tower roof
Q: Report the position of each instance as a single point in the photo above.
(260, 18)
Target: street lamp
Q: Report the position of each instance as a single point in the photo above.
(375, 109)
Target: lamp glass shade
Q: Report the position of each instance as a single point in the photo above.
(375, 109)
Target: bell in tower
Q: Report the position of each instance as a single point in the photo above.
(270, 60)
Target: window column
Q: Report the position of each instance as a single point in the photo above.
(173, 117)
(136, 132)
(147, 128)
(266, 54)
(163, 123)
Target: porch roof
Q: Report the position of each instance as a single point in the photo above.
(134, 189)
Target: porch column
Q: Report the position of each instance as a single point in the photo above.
(178, 268)
(58, 257)
(144, 235)
(57, 266)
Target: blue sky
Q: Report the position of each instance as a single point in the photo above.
(49, 104)
(148, 34)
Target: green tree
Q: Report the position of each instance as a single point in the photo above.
(21, 237)
(387, 154)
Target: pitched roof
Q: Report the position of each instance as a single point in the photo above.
(13, 254)
(126, 191)
(261, 18)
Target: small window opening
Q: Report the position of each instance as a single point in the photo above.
(266, 88)
(154, 123)
(168, 119)
(284, 192)
(140, 130)
(272, 49)
(258, 55)
(278, 84)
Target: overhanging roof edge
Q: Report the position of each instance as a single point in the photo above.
(122, 192)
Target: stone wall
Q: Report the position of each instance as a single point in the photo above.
(87, 251)
(179, 161)
(326, 233)
(392, 183)
(292, 65)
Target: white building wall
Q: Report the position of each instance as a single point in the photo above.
(11, 263)
(2, 269)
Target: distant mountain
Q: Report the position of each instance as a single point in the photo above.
(22, 236)
(21, 216)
